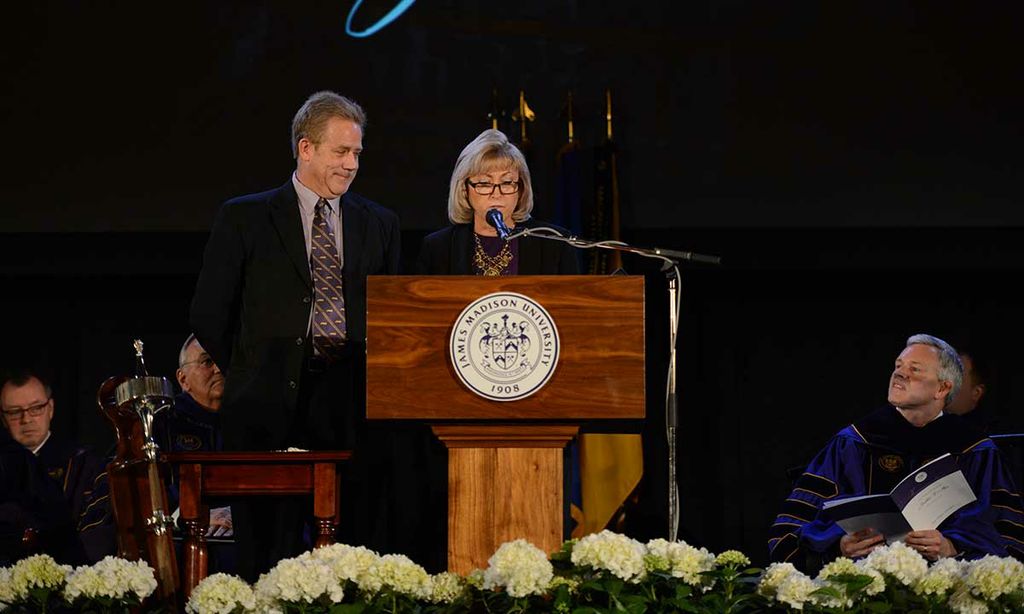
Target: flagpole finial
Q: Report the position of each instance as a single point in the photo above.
(523, 115)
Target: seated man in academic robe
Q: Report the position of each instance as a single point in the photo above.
(192, 424)
(873, 454)
(30, 500)
(28, 407)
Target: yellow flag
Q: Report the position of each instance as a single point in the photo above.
(611, 466)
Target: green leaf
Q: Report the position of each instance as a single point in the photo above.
(347, 608)
(685, 606)
(613, 585)
(632, 600)
(683, 591)
(828, 591)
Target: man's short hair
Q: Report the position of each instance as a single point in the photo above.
(183, 354)
(311, 119)
(951, 369)
(23, 375)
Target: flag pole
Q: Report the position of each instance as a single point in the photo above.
(569, 114)
(522, 117)
(616, 257)
(495, 109)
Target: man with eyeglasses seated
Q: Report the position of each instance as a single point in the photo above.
(30, 500)
(193, 423)
(28, 406)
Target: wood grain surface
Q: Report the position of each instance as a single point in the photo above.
(600, 372)
(504, 483)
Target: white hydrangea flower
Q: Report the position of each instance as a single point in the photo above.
(85, 582)
(963, 603)
(349, 563)
(446, 587)
(39, 571)
(475, 578)
(877, 580)
(773, 576)
(398, 572)
(298, 580)
(784, 583)
(841, 602)
(266, 604)
(622, 556)
(795, 590)
(943, 576)
(7, 596)
(838, 567)
(899, 561)
(845, 566)
(520, 568)
(221, 594)
(572, 583)
(683, 561)
(991, 576)
(111, 577)
(733, 558)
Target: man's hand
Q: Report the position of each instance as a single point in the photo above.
(931, 544)
(860, 543)
(220, 522)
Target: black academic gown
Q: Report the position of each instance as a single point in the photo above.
(81, 474)
(29, 498)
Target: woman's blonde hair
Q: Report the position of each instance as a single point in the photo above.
(491, 150)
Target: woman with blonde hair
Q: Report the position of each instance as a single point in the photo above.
(491, 173)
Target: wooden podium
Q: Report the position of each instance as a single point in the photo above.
(504, 457)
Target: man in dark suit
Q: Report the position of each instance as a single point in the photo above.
(294, 350)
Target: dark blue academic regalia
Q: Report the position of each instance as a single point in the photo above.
(871, 456)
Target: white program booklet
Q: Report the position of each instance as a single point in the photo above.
(922, 500)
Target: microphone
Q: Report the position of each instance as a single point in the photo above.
(494, 219)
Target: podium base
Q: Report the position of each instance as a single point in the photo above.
(504, 483)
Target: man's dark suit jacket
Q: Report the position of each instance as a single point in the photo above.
(449, 251)
(252, 303)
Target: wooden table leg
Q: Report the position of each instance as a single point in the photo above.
(325, 502)
(195, 516)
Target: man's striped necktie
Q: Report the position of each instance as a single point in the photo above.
(328, 298)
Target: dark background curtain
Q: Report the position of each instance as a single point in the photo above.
(854, 164)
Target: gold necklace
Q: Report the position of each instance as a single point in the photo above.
(491, 266)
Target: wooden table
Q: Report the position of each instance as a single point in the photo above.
(202, 475)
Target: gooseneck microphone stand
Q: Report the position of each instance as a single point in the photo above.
(670, 266)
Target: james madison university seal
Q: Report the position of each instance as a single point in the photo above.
(504, 346)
